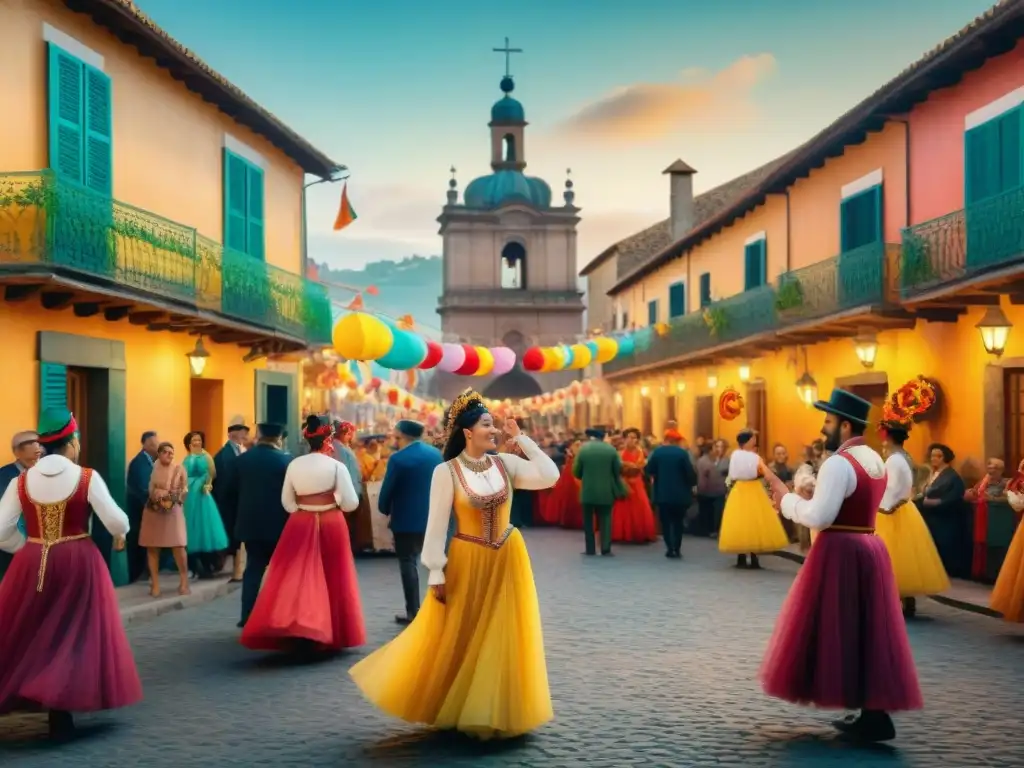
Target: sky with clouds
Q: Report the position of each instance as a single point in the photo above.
(400, 91)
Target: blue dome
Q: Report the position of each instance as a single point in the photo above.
(507, 110)
(503, 187)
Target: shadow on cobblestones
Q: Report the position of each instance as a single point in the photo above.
(652, 662)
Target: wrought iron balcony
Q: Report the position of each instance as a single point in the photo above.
(983, 236)
(864, 277)
(47, 223)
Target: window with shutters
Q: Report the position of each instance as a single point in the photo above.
(860, 219)
(994, 157)
(705, 290)
(80, 122)
(676, 300)
(243, 206)
(652, 312)
(755, 264)
(53, 386)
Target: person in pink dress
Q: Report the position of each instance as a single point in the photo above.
(841, 641)
(632, 517)
(63, 645)
(310, 599)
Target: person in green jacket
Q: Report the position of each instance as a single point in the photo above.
(598, 467)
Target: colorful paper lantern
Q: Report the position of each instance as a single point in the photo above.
(407, 351)
(434, 354)
(454, 355)
(359, 336)
(567, 356)
(471, 363)
(626, 345)
(581, 356)
(559, 357)
(607, 348)
(486, 361)
(533, 359)
(393, 396)
(504, 360)
(551, 359)
(592, 346)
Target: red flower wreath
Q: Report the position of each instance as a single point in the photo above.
(910, 402)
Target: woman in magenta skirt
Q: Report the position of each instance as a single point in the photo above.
(62, 645)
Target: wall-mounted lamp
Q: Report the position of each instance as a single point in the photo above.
(681, 387)
(744, 371)
(712, 380)
(995, 330)
(618, 398)
(197, 358)
(645, 391)
(866, 345)
(807, 389)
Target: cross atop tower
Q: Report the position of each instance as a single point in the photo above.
(508, 56)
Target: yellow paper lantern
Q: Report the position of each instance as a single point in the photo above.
(359, 336)
(560, 358)
(550, 360)
(607, 349)
(486, 361)
(581, 356)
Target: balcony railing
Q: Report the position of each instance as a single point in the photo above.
(863, 277)
(983, 236)
(45, 221)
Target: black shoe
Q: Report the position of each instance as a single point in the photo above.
(755, 564)
(741, 561)
(589, 554)
(677, 555)
(607, 554)
(240, 624)
(844, 724)
(871, 727)
(670, 554)
(62, 724)
(909, 608)
(402, 619)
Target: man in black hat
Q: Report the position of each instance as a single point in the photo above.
(255, 483)
(598, 467)
(223, 463)
(841, 641)
(405, 500)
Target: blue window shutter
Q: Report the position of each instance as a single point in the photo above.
(705, 289)
(860, 219)
(53, 386)
(652, 312)
(754, 265)
(235, 205)
(254, 238)
(99, 111)
(676, 300)
(981, 162)
(1010, 160)
(66, 118)
(763, 249)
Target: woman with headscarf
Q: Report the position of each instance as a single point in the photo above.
(473, 658)
(310, 598)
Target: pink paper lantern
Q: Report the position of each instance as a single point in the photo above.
(454, 357)
(504, 360)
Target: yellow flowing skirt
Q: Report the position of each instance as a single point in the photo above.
(1008, 592)
(750, 523)
(475, 664)
(915, 560)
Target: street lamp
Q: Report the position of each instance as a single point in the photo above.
(744, 371)
(995, 330)
(867, 349)
(197, 358)
(807, 389)
(712, 380)
(644, 391)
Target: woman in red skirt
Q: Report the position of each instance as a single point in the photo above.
(632, 517)
(310, 599)
(62, 644)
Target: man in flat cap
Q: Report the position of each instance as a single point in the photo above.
(26, 450)
(223, 462)
(405, 499)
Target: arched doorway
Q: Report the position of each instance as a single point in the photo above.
(515, 384)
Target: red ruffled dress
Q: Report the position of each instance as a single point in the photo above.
(311, 591)
(632, 517)
(564, 500)
(841, 641)
(62, 642)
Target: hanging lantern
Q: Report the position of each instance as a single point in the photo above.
(581, 356)
(393, 395)
(607, 348)
(453, 357)
(626, 345)
(471, 362)
(407, 403)
(533, 359)
(504, 360)
(407, 351)
(359, 336)
(434, 354)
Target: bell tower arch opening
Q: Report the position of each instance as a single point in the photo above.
(513, 266)
(508, 142)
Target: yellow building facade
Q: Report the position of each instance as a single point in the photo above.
(139, 223)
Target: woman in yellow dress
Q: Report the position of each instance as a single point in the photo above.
(473, 658)
(916, 561)
(750, 524)
(1008, 592)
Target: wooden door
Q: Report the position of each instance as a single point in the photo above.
(78, 404)
(1013, 417)
(704, 417)
(876, 395)
(670, 409)
(646, 418)
(757, 416)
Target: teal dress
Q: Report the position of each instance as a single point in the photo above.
(205, 528)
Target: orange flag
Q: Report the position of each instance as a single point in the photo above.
(356, 305)
(346, 214)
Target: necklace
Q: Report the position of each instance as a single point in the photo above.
(475, 465)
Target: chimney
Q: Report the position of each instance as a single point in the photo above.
(681, 185)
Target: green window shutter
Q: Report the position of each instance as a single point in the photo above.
(860, 219)
(676, 300)
(98, 174)
(981, 162)
(255, 233)
(705, 289)
(754, 267)
(235, 207)
(53, 386)
(66, 118)
(652, 312)
(1010, 150)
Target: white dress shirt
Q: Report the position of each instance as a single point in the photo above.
(836, 482)
(318, 473)
(55, 478)
(536, 472)
(899, 481)
(743, 465)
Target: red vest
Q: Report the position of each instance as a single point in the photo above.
(860, 507)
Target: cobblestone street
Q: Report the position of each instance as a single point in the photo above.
(652, 662)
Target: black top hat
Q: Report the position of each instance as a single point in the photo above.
(846, 405)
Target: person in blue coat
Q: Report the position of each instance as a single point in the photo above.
(26, 450)
(671, 469)
(405, 499)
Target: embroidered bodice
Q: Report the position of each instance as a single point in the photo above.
(480, 516)
(51, 522)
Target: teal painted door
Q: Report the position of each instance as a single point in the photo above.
(277, 402)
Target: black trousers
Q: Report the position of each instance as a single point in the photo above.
(408, 547)
(258, 554)
(603, 513)
(672, 516)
